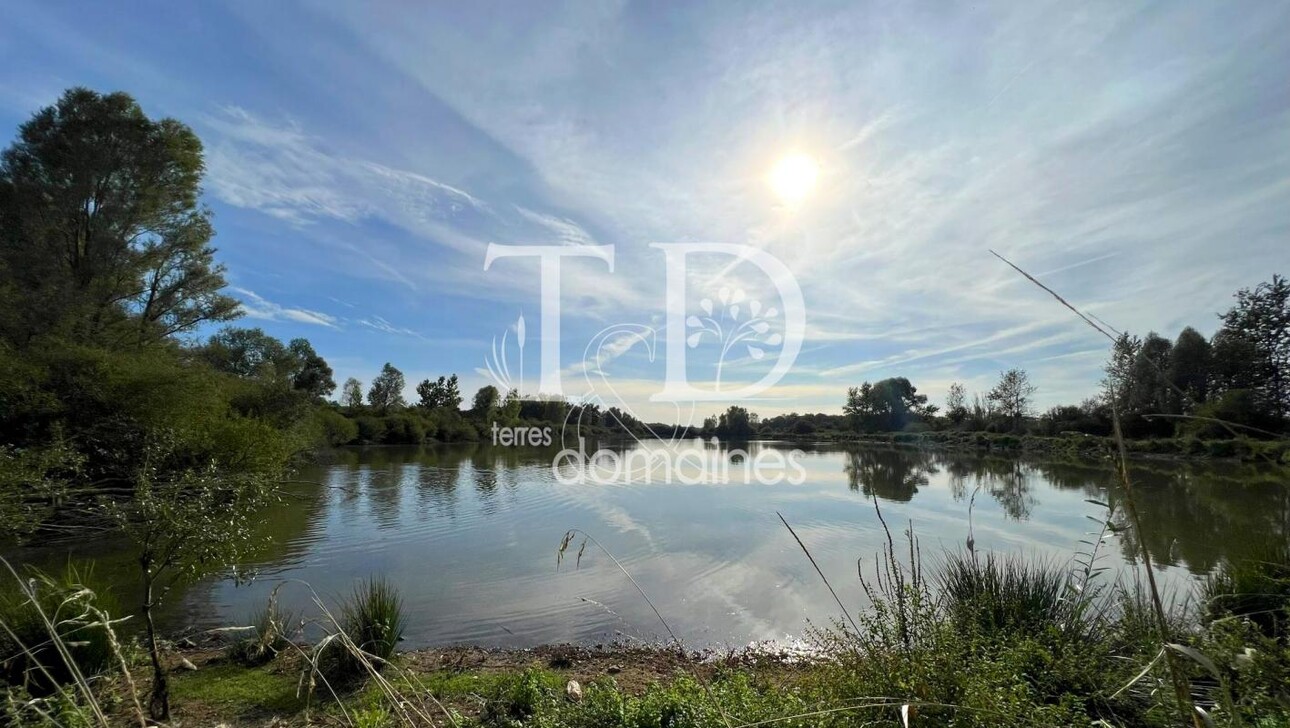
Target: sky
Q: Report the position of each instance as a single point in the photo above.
(360, 159)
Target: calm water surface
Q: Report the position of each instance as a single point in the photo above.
(469, 534)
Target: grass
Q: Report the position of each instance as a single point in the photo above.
(374, 621)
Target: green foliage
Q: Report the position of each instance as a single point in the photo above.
(1256, 588)
(374, 620)
(404, 429)
(65, 602)
(336, 429)
(1005, 594)
(101, 232)
(387, 389)
(370, 429)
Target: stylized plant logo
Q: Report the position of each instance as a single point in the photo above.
(729, 330)
(498, 366)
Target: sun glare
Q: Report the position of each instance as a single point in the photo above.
(793, 177)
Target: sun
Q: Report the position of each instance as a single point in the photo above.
(793, 177)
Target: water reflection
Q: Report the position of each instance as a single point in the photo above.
(469, 533)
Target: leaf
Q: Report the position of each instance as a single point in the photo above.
(724, 294)
(761, 327)
(772, 312)
(739, 296)
(1196, 656)
(1097, 503)
(706, 305)
(519, 331)
(754, 307)
(693, 339)
(774, 340)
(693, 321)
(756, 353)
(734, 312)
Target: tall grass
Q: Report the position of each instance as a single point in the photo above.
(1005, 594)
(374, 618)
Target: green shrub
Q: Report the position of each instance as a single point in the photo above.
(404, 429)
(28, 656)
(374, 621)
(370, 429)
(1256, 588)
(1004, 594)
(336, 429)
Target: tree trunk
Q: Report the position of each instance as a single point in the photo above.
(159, 702)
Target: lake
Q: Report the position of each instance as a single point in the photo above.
(469, 533)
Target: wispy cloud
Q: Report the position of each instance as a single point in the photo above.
(257, 307)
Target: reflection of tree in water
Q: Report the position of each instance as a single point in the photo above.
(1006, 480)
(893, 475)
(1197, 515)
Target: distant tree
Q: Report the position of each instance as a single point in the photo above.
(442, 393)
(956, 403)
(887, 405)
(253, 353)
(1011, 396)
(1117, 386)
(386, 391)
(1261, 317)
(247, 353)
(351, 394)
(1191, 368)
(309, 372)
(735, 423)
(486, 401)
(510, 409)
(101, 230)
(1235, 365)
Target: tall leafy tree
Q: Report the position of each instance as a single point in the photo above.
(956, 403)
(309, 372)
(101, 232)
(386, 391)
(1191, 368)
(886, 405)
(1261, 321)
(1011, 396)
(486, 401)
(351, 394)
(443, 393)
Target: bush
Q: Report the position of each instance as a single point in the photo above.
(404, 430)
(1004, 594)
(370, 429)
(336, 429)
(74, 609)
(1256, 588)
(374, 621)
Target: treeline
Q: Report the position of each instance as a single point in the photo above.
(385, 417)
(1234, 384)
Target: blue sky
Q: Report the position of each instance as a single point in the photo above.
(1134, 156)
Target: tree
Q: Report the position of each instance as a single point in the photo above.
(887, 405)
(1011, 396)
(1261, 317)
(309, 372)
(351, 394)
(486, 401)
(442, 393)
(194, 525)
(735, 423)
(100, 228)
(386, 391)
(1191, 368)
(956, 403)
(247, 353)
